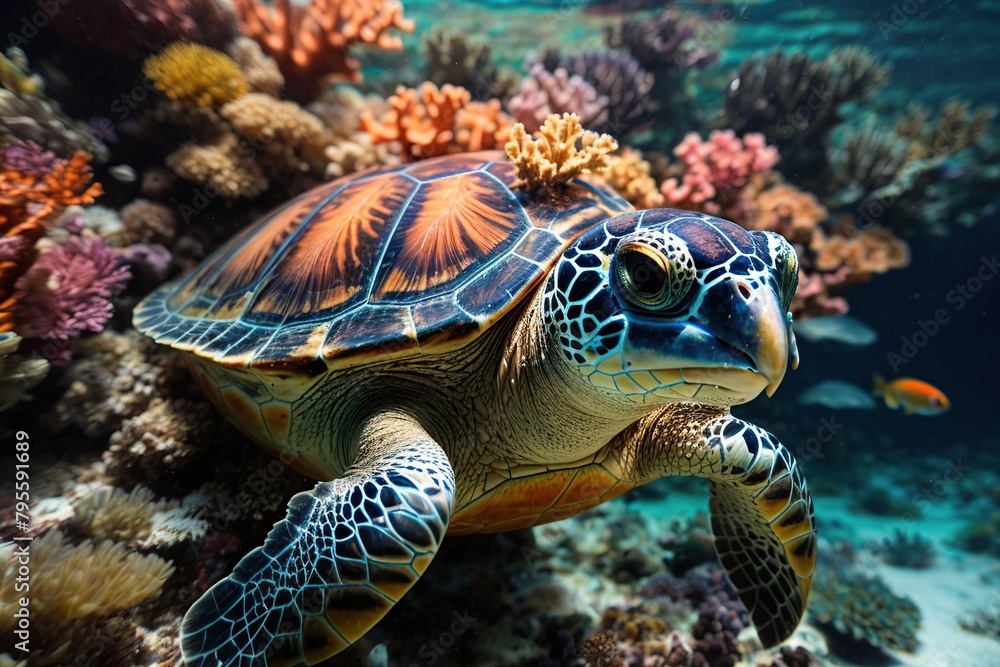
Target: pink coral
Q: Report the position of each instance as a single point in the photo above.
(29, 158)
(68, 289)
(715, 171)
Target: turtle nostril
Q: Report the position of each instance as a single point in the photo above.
(744, 290)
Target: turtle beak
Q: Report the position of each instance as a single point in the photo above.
(774, 343)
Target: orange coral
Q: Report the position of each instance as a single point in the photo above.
(432, 121)
(788, 211)
(29, 202)
(311, 42)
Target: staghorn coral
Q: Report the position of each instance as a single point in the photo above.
(139, 27)
(312, 41)
(553, 157)
(29, 205)
(195, 75)
(68, 289)
(628, 173)
(432, 122)
(26, 114)
(617, 76)
(292, 139)
(543, 93)
(666, 43)
(221, 166)
(18, 373)
(260, 71)
(452, 58)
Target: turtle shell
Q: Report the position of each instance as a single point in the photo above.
(393, 262)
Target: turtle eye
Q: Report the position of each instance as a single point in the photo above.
(644, 276)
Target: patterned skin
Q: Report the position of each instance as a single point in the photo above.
(456, 357)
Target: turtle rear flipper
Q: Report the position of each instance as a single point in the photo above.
(345, 553)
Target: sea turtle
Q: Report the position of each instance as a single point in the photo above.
(449, 353)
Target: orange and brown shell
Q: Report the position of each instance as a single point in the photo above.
(386, 263)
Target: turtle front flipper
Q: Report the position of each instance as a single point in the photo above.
(762, 511)
(345, 553)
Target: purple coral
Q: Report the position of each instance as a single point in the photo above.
(28, 158)
(665, 43)
(617, 76)
(543, 92)
(68, 290)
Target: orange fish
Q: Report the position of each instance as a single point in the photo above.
(916, 396)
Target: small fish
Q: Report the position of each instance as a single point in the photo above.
(840, 328)
(837, 395)
(916, 396)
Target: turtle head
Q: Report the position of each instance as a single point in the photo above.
(664, 305)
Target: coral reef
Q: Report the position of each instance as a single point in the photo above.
(858, 606)
(614, 75)
(26, 114)
(196, 75)
(311, 42)
(30, 201)
(453, 58)
(291, 139)
(905, 550)
(553, 157)
(543, 93)
(430, 122)
(139, 27)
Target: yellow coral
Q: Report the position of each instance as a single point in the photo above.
(629, 174)
(553, 157)
(221, 166)
(293, 137)
(113, 514)
(196, 75)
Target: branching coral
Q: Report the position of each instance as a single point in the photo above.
(312, 41)
(432, 122)
(29, 203)
(196, 75)
(543, 93)
(714, 172)
(553, 157)
(629, 174)
(68, 290)
(452, 58)
(794, 101)
(666, 43)
(617, 76)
